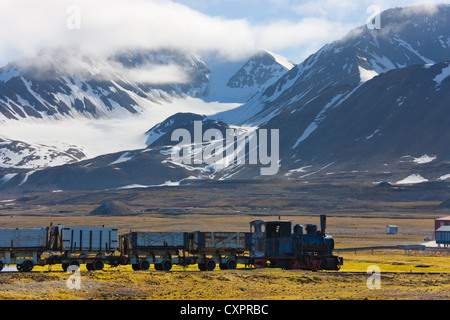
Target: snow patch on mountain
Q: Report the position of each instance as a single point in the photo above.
(8, 75)
(366, 75)
(406, 45)
(412, 179)
(424, 159)
(123, 158)
(335, 102)
(442, 76)
(288, 65)
(7, 177)
(140, 186)
(18, 154)
(28, 174)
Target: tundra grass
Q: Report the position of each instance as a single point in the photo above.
(402, 277)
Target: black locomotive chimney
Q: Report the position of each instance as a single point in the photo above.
(323, 223)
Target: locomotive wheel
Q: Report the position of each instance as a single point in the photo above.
(1, 265)
(231, 264)
(144, 265)
(27, 266)
(202, 266)
(65, 266)
(89, 266)
(223, 266)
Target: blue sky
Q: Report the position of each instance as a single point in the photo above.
(233, 28)
(343, 14)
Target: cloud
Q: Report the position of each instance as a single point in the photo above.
(150, 74)
(283, 34)
(105, 26)
(356, 11)
(49, 63)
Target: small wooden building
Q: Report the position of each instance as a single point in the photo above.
(443, 235)
(391, 229)
(445, 221)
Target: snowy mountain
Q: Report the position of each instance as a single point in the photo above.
(355, 104)
(140, 87)
(387, 130)
(371, 107)
(383, 127)
(240, 80)
(59, 83)
(21, 155)
(408, 36)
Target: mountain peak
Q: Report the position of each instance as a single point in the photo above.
(408, 36)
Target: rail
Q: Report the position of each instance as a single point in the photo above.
(406, 248)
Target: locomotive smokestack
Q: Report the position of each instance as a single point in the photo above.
(323, 223)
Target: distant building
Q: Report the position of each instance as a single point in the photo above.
(445, 221)
(442, 230)
(391, 229)
(443, 235)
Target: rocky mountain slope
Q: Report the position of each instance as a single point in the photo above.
(371, 107)
(408, 36)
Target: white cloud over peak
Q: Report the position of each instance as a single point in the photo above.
(26, 26)
(103, 26)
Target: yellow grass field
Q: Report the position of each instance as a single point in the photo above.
(415, 275)
(400, 279)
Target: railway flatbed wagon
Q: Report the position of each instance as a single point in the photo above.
(93, 246)
(22, 247)
(162, 249)
(224, 248)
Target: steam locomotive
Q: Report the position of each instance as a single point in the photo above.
(274, 245)
(271, 244)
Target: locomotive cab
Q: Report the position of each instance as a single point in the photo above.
(271, 229)
(271, 242)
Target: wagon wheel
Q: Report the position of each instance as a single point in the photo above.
(144, 265)
(158, 266)
(166, 265)
(202, 266)
(135, 267)
(27, 266)
(231, 264)
(98, 265)
(223, 266)
(66, 266)
(210, 265)
(74, 263)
